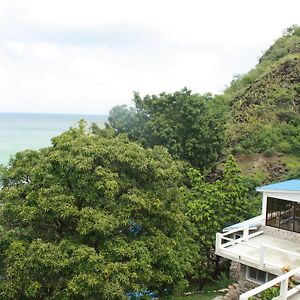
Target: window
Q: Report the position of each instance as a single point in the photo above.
(297, 217)
(273, 212)
(283, 214)
(258, 276)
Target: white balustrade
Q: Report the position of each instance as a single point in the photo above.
(283, 279)
(223, 247)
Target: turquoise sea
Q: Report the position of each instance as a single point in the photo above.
(33, 131)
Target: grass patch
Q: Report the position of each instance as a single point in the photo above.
(209, 291)
(198, 296)
(254, 165)
(292, 161)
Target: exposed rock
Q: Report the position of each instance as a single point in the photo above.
(223, 290)
(276, 171)
(235, 270)
(232, 294)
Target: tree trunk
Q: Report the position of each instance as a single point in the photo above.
(217, 267)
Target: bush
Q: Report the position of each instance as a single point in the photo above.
(270, 293)
(224, 280)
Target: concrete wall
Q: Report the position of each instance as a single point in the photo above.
(280, 233)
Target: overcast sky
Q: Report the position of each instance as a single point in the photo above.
(86, 56)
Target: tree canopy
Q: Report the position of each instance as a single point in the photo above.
(93, 218)
(213, 206)
(190, 126)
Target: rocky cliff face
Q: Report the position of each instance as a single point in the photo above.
(265, 107)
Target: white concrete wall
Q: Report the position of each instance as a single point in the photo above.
(288, 195)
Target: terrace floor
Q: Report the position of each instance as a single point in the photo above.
(279, 253)
(295, 297)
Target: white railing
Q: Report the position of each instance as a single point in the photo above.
(283, 279)
(220, 237)
(223, 243)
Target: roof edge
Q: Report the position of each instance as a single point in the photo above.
(288, 186)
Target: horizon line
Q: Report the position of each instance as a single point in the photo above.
(53, 113)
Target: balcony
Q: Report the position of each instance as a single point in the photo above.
(266, 252)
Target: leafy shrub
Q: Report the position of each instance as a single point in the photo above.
(223, 280)
(270, 293)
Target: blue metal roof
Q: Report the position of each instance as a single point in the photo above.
(289, 185)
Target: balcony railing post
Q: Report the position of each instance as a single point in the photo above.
(262, 255)
(284, 285)
(218, 242)
(246, 233)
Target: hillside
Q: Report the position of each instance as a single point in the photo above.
(263, 130)
(257, 118)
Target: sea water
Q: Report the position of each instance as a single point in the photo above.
(19, 132)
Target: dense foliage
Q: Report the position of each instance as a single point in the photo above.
(93, 218)
(213, 206)
(189, 125)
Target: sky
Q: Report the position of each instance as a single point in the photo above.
(61, 56)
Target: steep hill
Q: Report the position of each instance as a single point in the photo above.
(264, 126)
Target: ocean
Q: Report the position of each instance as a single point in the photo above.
(21, 131)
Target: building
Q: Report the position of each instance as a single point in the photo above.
(265, 250)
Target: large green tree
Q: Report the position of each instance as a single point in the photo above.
(93, 217)
(190, 126)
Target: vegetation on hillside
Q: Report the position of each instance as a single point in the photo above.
(98, 216)
(190, 126)
(257, 116)
(134, 207)
(265, 103)
(214, 206)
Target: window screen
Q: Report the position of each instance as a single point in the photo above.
(283, 214)
(258, 275)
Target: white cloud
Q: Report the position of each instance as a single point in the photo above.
(45, 50)
(189, 21)
(17, 48)
(87, 56)
(197, 70)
